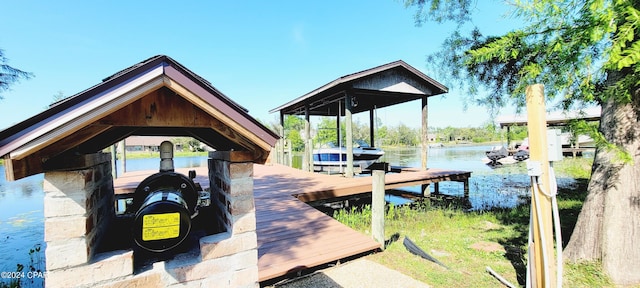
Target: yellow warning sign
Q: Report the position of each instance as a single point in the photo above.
(160, 226)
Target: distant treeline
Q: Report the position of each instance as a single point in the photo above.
(400, 135)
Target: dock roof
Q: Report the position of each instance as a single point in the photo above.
(156, 97)
(385, 85)
(554, 118)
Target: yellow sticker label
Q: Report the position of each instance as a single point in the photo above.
(160, 226)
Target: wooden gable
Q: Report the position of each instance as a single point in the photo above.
(157, 97)
(385, 85)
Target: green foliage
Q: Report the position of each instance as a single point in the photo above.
(297, 143)
(326, 131)
(35, 269)
(583, 127)
(576, 168)
(293, 125)
(517, 132)
(625, 49)
(190, 143)
(583, 52)
(10, 75)
(449, 233)
(586, 274)
(562, 44)
(403, 135)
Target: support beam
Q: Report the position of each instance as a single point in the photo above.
(339, 133)
(306, 160)
(424, 135)
(114, 162)
(348, 118)
(122, 146)
(542, 248)
(281, 140)
(426, 190)
(377, 204)
(372, 128)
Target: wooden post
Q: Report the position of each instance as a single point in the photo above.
(289, 153)
(307, 136)
(426, 190)
(424, 136)
(114, 162)
(378, 203)
(348, 118)
(372, 128)
(123, 155)
(281, 141)
(339, 135)
(424, 141)
(537, 129)
(577, 145)
(465, 184)
(310, 143)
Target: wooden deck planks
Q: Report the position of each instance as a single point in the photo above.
(293, 235)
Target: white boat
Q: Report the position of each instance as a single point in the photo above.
(334, 159)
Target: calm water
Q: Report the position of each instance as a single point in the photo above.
(503, 186)
(21, 202)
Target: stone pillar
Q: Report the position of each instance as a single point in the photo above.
(236, 250)
(78, 209)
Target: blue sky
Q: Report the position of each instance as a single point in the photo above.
(261, 54)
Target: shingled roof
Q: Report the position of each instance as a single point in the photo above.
(156, 97)
(381, 86)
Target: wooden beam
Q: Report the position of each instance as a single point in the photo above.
(307, 162)
(542, 225)
(232, 156)
(75, 162)
(424, 135)
(20, 168)
(9, 172)
(372, 128)
(163, 108)
(230, 124)
(17, 168)
(378, 206)
(281, 140)
(339, 132)
(348, 118)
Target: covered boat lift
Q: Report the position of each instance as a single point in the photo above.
(389, 84)
(554, 119)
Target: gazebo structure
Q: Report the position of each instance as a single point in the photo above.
(389, 84)
(89, 242)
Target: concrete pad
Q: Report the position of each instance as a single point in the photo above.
(357, 273)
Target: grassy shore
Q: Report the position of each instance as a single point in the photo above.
(468, 242)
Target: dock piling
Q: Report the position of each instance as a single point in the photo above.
(378, 202)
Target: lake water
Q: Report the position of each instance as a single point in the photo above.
(21, 202)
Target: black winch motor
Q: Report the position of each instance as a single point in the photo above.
(164, 204)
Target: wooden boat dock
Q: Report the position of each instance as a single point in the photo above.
(294, 236)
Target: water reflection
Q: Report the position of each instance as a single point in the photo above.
(21, 220)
